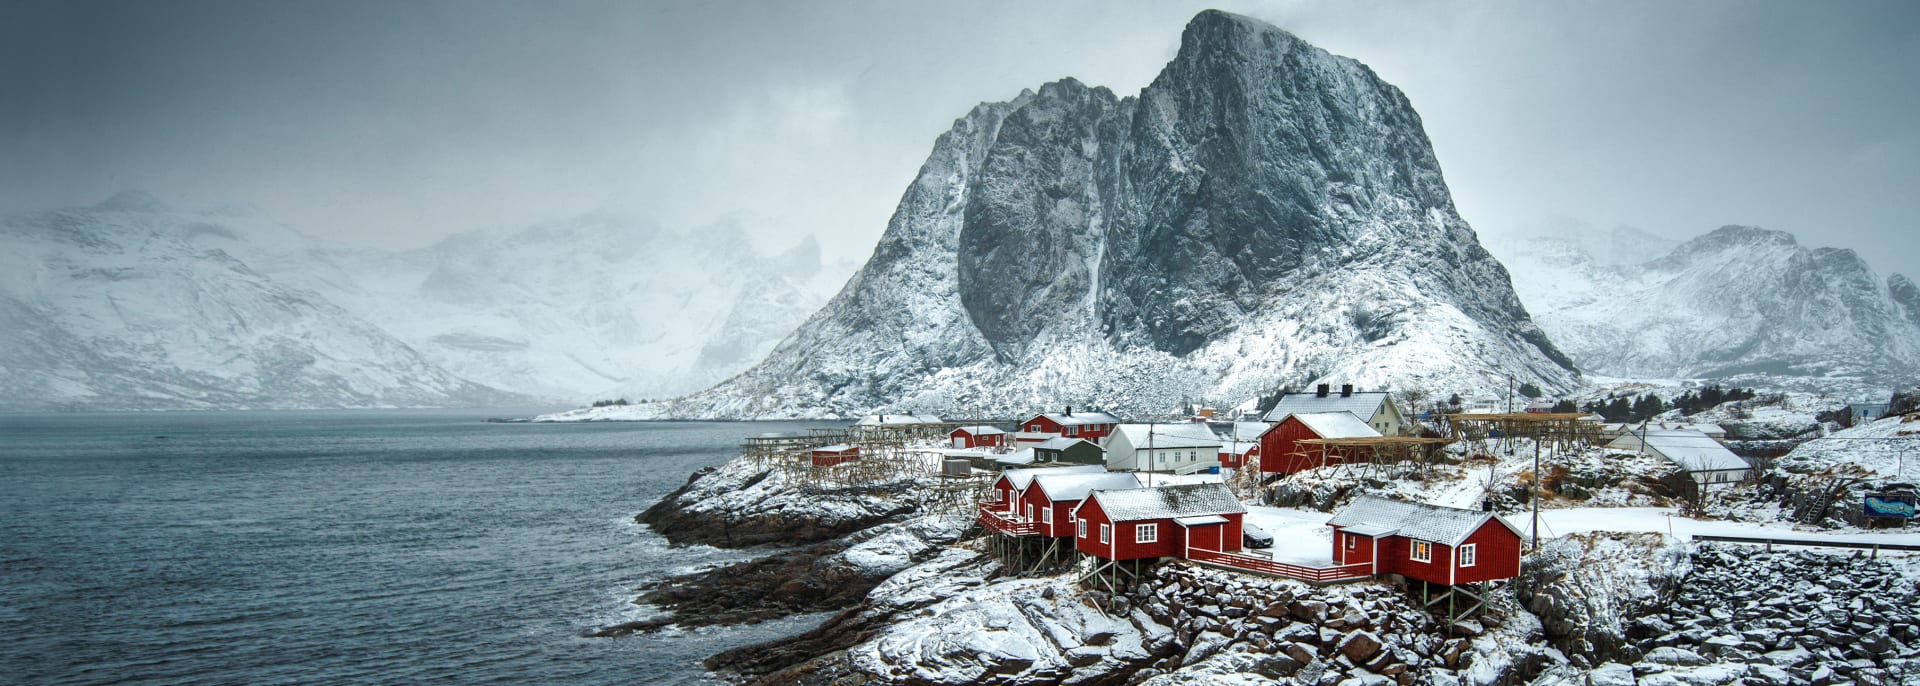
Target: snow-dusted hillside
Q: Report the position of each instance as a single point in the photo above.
(1743, 305)
(1263, 214)
(131, 304)
(127, 305)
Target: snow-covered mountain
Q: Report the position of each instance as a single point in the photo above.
(597, 306)
(1741, 304)
(1263, 214)
(127, 305)
(130, 304)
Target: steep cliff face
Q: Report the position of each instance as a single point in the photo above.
(1264, 213)
(1740, 303)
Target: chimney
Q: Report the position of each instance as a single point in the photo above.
(1069, 410)
(1346, 390)
(1321, 391)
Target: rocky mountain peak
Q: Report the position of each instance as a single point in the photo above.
(131, 201)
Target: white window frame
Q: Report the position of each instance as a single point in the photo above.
(1080, 528)
(1469, 554)
(1106, 533)
(1146, 533)
(1420, 551)
(1071, 431)
(1353, 542)
(1046, 514)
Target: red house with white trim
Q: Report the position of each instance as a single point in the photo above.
(1013, 482)
(1052, 497)
(1142, 523)
(1281, 452)
(1092, 426)
(977, 436)
(1442, 545)
(837, 454)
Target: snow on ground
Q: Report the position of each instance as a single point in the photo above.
(1300, 537)
(1668, 521)
(1886, 449)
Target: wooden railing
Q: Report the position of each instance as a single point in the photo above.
(1291, 571)
(1810, 542)
(999, 521)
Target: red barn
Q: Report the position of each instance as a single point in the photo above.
(830, 455)
(1013, 482)
(1142, 523)
(1237, 455)
(1053, 496)
(1442, 545)
(1092, 426)
(977, 436)
(1281, 452)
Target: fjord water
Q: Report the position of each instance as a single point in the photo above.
(331, 547)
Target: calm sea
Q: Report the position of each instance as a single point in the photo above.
(343, 547)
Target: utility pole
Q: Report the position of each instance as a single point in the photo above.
(1536, 494)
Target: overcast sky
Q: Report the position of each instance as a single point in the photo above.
(396, 123)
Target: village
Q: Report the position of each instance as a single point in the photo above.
(1445, 505)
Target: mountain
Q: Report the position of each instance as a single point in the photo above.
(598, 306)
(125, 305)
(1740, 304)
(1263, 214)
(132, 305)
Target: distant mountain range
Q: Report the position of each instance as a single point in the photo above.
(132, 305)
(1740, 304)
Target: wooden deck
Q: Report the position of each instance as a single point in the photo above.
(1250, 563)
(1003, 523)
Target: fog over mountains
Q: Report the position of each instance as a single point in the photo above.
(132, 305)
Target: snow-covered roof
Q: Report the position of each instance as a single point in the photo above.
(1239, 448)
(1362, 405)
(1169, 435)
(1076, 485)
(1201, 520)
(835, 448)
(1336, 425)
(1061, 443)
(1021, 477)
(1021, 456)
(1080, 418)
(978, 430)
(1372, 515)
(1167, 502)
(1249, 431)
(1692, 450)
(897, 420)
(1034, 435)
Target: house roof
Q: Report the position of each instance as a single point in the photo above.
(897, 419)
(1167, 502)
(1021, 477)
(1201, 520)
(1362, 405)
(978, 430)
(1249, 431)
(1076, 485)
(1079, 418)
(1692, 450)
(1371, 515)
(1336, 425)
(1184, 435)
(1033, 435)
(1061, 443)
(835, 448)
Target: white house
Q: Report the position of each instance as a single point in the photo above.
(1694, 452)
(1182, 448)
(1376, 408)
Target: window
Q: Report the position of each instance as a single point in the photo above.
(1352, 541)
(1046, 515)
(1467, 555)
(1193, 456)
(1080, 528)
(1422, 551)
(1029, 510)
(1106, 533)
(1073, 431)
(1146, 533)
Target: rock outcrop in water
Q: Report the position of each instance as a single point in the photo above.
(744, 503)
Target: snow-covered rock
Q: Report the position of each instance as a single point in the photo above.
(1263, 214)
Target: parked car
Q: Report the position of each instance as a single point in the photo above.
(1255, 537)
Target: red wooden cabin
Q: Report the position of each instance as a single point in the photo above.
(1092, 426)
(1144, 523)
(1281, 452)
(977, 436)
(830, 455)
(1007, 488)
(1442, 545)
(1053, 495)
(1237, 455)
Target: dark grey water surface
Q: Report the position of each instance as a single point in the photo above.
(343, 547)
